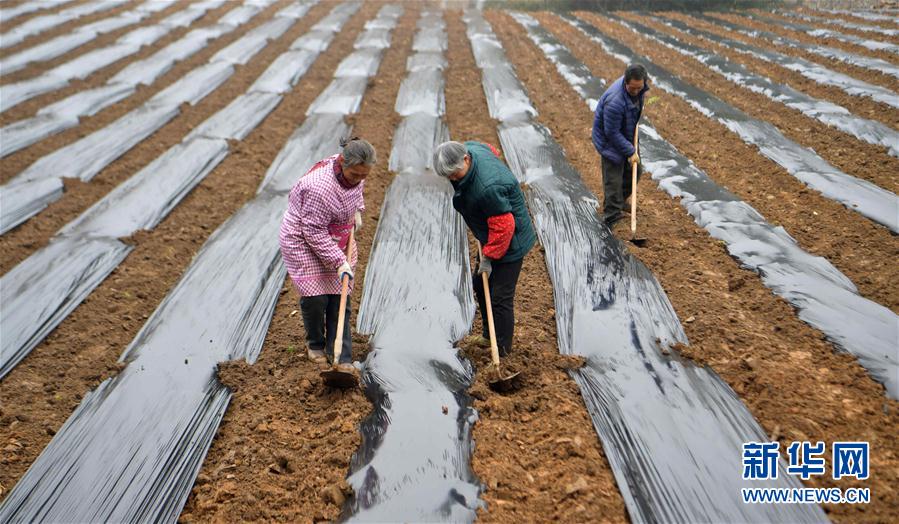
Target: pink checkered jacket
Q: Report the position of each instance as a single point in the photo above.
(316, 228)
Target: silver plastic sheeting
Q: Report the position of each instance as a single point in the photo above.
(43, 23)
(867, 15)
(343, 96)
(867, 62)
(317, 41)
(426, 61)
(88, 63)
(810, 70)
(847, 24)
(194, 86)
(374, 38)
(143, 200)
(144, 36)
(14, 94)
(311, 142)
(414, 142)
(90, 155)
(46, 51)
(112, 23)
(9, 13)
(240, 15)
(572, 70)
(824, 297)
(295, 10)
(284, 72)
(414, 461)
(87, 103)
(183, 18)
(274, 28)
(335, 20)
(146, 71)
(42, 290)
(155, 6)
(421, 92)
(828, 113)
(363, 62)
(239, 117)
(505, 96)
(858, 195)
(23, 133)
(651, 409)
(20, 201)
(241, 50)
(429, 41)
(131, 450)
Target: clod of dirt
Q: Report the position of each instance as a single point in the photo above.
(336, 493)
(569, 362)
(578, 485)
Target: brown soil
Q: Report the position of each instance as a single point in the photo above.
(858, 105)
(27, 73)
(533, 447)
(22, 241)
(43, 389)
(844, 151)
(60, 29)
(792, 381)
(314, 430)
(805, 37)
(856, 246)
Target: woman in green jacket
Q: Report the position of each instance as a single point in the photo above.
(489, 199)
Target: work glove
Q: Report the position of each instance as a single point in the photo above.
(358, 222)
(634, 159)
(486, 266)
(344, 269)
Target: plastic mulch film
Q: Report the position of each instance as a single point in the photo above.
(867, 15)
(19, 202)
(828, 113)
(240, 15)
(113, 23)
(143, 200)
(16, 93)
(42, 290)
(131, 451)
(182, 18)
(295, 10)
(90, 155)
(414, 142)
(316, 41)
(344, 96)
(167, 399)
(334, 21)
(572, 70)
(505, 96)
(144, 36)
(9, 13)
(867, 62)
(426, 61)
(146, 71)
(824, 297)
(43, 23)
(274, 28)
(241, 50)
(421, 92)
(88, 63)
(374, 39)
(430, 41)
(23, 133)
(811, 70)
(651, 409)
(362, 62)
(285, 71)
(865, 28)
(156, 6)
(856, 194)
(414, 461)
(194, 86)
(312, 141)
(46, 51)
(239, 117)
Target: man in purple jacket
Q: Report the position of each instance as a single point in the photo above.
(617, 114)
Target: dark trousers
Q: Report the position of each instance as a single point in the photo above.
(502, 281)
(320, 321)
(616, 186)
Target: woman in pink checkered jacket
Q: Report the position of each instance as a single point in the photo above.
(324, 206)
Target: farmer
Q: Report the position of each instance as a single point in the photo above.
(617, 113)
(324, 206)
(489, 199)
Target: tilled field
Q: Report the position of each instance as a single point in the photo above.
(286, 444)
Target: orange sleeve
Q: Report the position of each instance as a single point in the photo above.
(499, 236)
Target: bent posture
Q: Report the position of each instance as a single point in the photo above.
(325, 205)
(489, 199)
